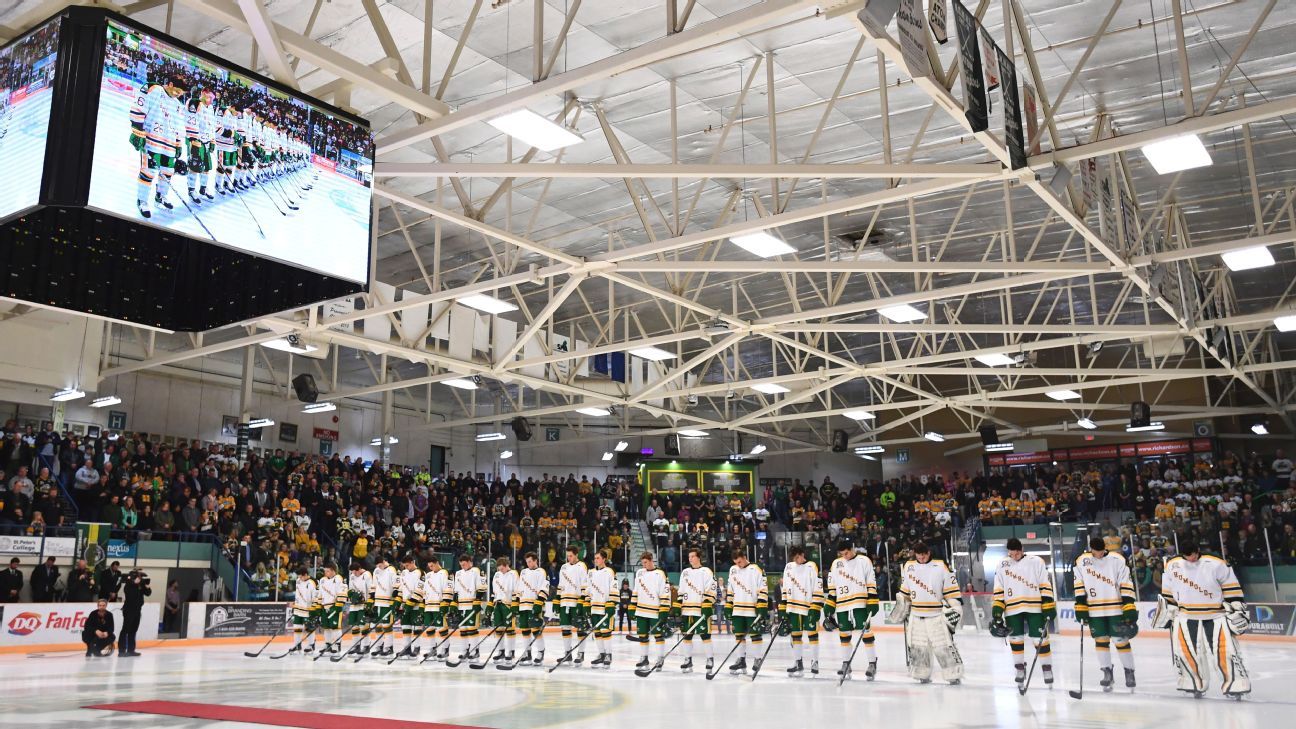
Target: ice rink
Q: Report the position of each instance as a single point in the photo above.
(329, 233)
(50, 690)
(22, 151)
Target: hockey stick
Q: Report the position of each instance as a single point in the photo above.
(191, 212)
(277, 633)
(355, 645)
(525, 650)
(325, 650)
(641, 673)
(720, 665)
(272, 201)
(569, 653)
(287, 201)
(283, 192)
(437, 646)
(846, 667)
(774, 635)
(296, 645)
(251, 215)
(479, 666)
(1030, 674)
(404, 650)
(1079, 694)
(379, 628)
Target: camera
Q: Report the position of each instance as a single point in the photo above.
(141, 575)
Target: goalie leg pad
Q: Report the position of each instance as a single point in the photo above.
(1188, 651)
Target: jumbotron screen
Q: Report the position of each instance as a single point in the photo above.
(26, 81)
(192, 146)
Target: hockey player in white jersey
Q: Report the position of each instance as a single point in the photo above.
(533, 593)
(359, 602)
(227, 149)
(436, 603)
(1023, 605)
(157, 133)
(802, 603)
(747, 604)
(695, 599)
(502, 608)
(332, 599)
(305, 609)
(930, 606)
(1203, 606)
(200, 140)
(852, 599)
(603, 597)
(384, 600)
(573, 600)
(410, 591)
(650, 607)
(1106, 601)
(469, 596)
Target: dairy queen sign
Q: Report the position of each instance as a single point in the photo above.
(54, 623)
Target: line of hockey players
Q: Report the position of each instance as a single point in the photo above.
(180, 127)
(1201, 603)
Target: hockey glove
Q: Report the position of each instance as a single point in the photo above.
(180, 167)
(1050, 611)
(195, 162)
(830, 622)
(1235, 613)
(953, 616)
(784, 625)
(1124, 630)
(998, 628)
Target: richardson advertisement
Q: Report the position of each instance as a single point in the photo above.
(48, 623)
(243, 619)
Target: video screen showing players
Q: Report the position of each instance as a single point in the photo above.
(26, 81)
(189, 145)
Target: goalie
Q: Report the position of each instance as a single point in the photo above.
(1201, 603)
(930, 606)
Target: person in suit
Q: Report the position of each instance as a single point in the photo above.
(81, 583)
(98, 631)
(11, 582)
(43, 580)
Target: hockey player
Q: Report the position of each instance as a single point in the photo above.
(852, 600)
(1202, 604)
(802, 602)
(649, 607)
(695, 603)
(1023, 604)
(332, 599)
(532, 593)
(573, 598)
(1105, 599)
(200, 132)
(469, 594)
(436, 603)
(227, 149)
(384, 599)
(935, 606)
(359, 602)
(306, 608)
(410, 590)
(747, 605)
(157, 130)
(503, 607)
(603, 597)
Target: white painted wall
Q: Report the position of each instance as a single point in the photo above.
(48, 350)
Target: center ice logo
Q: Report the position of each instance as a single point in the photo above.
(24, 624)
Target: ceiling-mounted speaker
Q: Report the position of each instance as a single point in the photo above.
(839, 441)
(989, 434)
(1140, 414)
(304, 386)
(672, 445)
(521, 428)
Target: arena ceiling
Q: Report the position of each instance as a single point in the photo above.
(707, 119)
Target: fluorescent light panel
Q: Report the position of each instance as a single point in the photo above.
(608, 455)
(769, 388)
(1260, 429)
(1154, 425)
(483, 437)
(1286, 323)
(620, 446)
(656, 354)
(762, 243)
(593, 412)
(260, 423)
(487, 303)
(506, 454)
(1176, 154)
(758, 449)
(66, 395)
(319, 407)
(283, 345)
(693, 433)
(1063, 394)
(1248, 258)
(105, 401)
(867, 457)
(859, 415)
(535, 130)
(869, 449)
(1087, 424)
(999, 447)
(997, 359)
(460, 383)
(934, 436)
(902, 313)
(391, 440)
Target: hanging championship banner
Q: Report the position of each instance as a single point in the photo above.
(974, 93)
(1012, 111)
(990, 59)
(1129, 220)
(1030, 105)
(913, 38)
(877, 14)
(938, 18)
(1089, 183)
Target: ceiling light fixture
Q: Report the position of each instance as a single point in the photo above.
(593, 412)
(758, 449)
(291, 343)
(934, 437)
(103, 402)
(694, 433)
(608, 455)
(483, 437)
(769, 388)
(65, 395)
(993, 447)
(319, 407)
(1177, 154)
(859, 415)
(902, 313)
(486, 303)
(762, 243)
(1087, 424)
(260, 423)
(1248, 258)
(869, 449)
(1286, 323)
(535, 130)
(506, 454)
(620, 446)
(391, 440)
(1154, 425)
(460, 383)
(867, 457)
(1260, 429)
(656, 354)
(1063, 394)
(995, 360)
